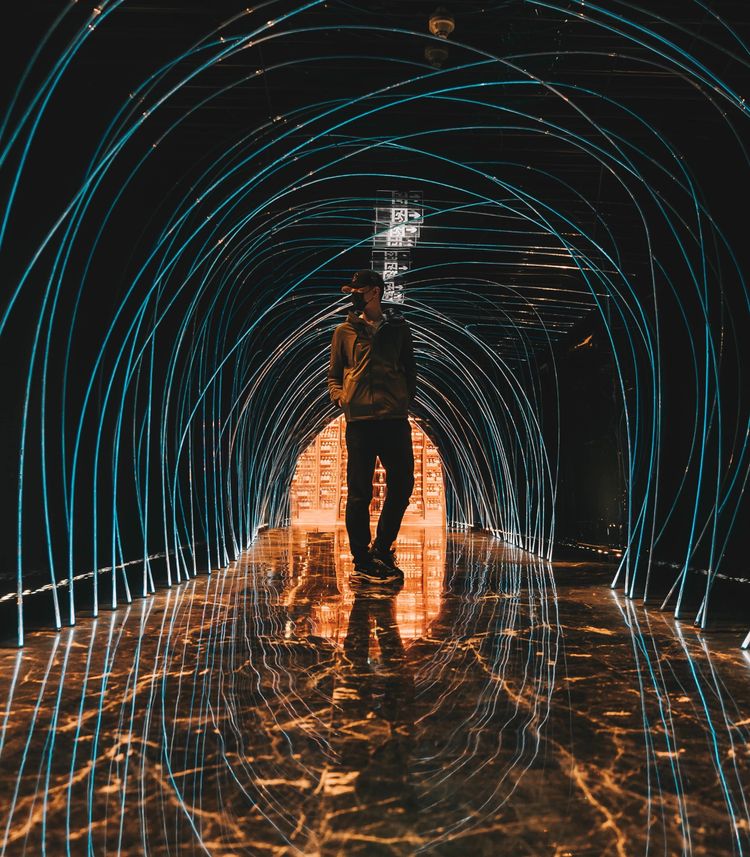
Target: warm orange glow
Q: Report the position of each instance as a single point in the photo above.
(318, 492)
(319, 598)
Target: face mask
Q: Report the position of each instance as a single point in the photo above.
(358, 301)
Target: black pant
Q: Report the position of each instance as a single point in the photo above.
(390, 441)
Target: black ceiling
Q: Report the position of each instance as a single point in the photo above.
(520, 85)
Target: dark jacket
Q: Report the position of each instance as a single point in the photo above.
(373, 374)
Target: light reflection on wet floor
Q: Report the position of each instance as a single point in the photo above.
(485, 708)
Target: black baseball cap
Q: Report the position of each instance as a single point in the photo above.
(364, 279)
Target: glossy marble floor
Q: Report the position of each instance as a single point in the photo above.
(495, 705)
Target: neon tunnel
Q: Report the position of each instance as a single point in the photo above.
(555, 195)
(177, 302)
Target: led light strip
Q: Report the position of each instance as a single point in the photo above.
(193, 397)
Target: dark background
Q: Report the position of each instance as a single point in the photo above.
(487, 269)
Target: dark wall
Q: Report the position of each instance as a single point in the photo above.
(592, 489)
(595, 487)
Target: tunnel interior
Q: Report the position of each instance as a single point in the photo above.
(192, 662)
(556, 193)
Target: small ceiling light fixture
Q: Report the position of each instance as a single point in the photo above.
(442, 23)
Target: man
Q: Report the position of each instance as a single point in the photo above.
(372, 376)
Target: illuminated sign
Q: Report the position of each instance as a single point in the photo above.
(398, 222)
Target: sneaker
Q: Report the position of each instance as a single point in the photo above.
(373, 571)
(388, 559)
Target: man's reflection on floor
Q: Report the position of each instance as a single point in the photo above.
(319, 566)
(374, 700)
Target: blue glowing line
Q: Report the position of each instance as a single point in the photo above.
(220, 482)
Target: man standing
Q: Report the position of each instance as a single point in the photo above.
(372, 376)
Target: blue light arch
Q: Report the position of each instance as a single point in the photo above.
(169, 316)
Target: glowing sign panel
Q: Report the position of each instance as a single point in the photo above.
(398, 221)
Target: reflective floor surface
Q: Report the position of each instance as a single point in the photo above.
(495, 705)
